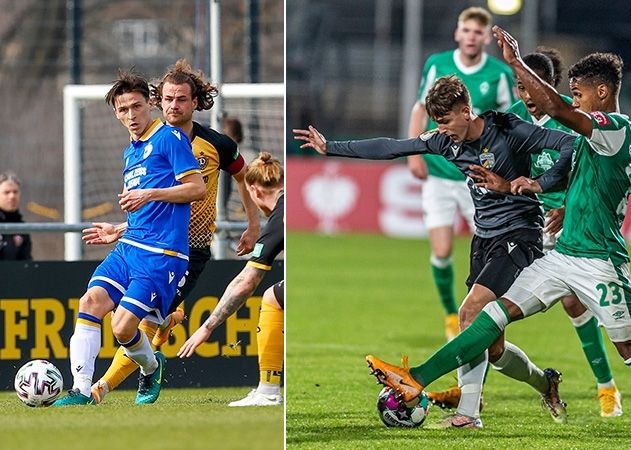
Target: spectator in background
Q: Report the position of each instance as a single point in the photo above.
(12, 246)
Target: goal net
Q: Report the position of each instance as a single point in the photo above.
(94, 140)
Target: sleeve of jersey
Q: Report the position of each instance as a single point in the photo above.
(608, 135)
(505, 97)
(230, 159)
(180, 153)
(269, 244)
(427, 80)
(380, 148)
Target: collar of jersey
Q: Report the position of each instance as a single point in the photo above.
(153, 128)
(468, 70)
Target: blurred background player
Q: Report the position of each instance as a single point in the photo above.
(12, 246)
(139, 277)
(181, 92)
(265, 181)
(490, 84)
(233, 128)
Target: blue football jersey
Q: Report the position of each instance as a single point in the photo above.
(160, 158)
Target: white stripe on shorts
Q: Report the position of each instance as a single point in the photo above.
(109, 281)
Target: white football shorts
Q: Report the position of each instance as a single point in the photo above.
(442, 198)
(598, 284)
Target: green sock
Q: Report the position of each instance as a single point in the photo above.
(464, 348)
(594, 349)
(444, 280)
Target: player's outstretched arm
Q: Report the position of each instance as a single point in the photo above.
(418, 123)
(101, 233)
(238, 291)
(541, 93)
(313, 139)
(251, 234)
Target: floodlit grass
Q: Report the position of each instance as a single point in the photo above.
(352, 295)
(181, 419)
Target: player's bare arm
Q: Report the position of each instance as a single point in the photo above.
(191, 188)
(238, 291)
(541, 93)
(488, 179)
(101, 233)
(251, 234)
(418, 123)
(313, 139)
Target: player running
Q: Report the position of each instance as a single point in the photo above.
(180, 92)
(490, 85)
(139, 277)
(508, 227)
(590, 259)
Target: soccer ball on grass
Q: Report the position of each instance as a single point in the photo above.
(38, 383)
(396, 413)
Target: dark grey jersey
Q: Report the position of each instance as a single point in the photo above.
(505, 147)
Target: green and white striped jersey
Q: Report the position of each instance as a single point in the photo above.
(544, 160)
(490, 84)
(596, 197)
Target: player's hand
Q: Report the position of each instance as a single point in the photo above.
(487, 179)
(198, 338)
(508, 44)
(247, 241)
(133, 200)
(418, 167)
(313, 138)
(554, 220)
(100, 233)
(523, 185)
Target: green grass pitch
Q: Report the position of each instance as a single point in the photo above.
(184, 419)
(351, 295)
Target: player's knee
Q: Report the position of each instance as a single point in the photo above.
(270, 299)
(573, 307)
(624, 349)
(496, 351)
(122, 332)
(94, 303)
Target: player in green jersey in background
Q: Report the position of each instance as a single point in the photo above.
(490, 85)
(590, 259)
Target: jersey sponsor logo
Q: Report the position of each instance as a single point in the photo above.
(148, 150)
(258, 250)
(511, 246)
(600, 118)
(171, 276)
(428, 135)
(487, 159)
(618, 315)
(544, 161)
(176, 133)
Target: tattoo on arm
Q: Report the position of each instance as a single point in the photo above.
(237, 292)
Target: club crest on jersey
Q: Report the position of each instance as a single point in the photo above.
(600, 118)
(428, 134)
(544, 161)
(148, 150)
(487, 159)
(202, 161)
(484, 87)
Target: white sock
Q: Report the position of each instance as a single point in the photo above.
(470, 380)
(268, 388)
(514, 363)
(608, 384)
(85, 344)
(140, 351)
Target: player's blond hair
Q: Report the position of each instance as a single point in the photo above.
(266, 171)
(481, 15)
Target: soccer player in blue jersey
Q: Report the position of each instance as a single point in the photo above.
(140, 276)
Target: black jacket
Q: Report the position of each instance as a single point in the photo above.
(14, 246)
